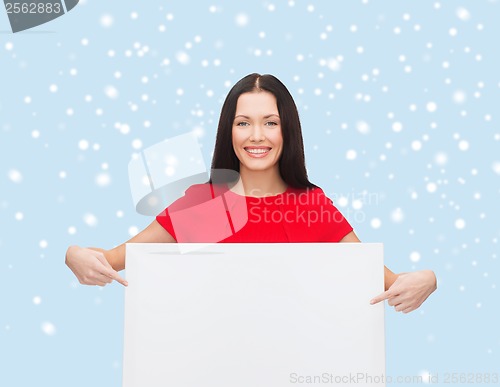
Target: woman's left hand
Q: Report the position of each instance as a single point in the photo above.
(409, 290)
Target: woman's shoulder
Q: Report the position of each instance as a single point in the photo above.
(308, 196)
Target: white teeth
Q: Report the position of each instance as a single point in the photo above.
(257, 150)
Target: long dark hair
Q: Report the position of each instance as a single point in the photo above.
(291, 164)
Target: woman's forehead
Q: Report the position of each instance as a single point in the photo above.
(257, 103)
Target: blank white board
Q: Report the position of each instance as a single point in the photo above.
(253, 315)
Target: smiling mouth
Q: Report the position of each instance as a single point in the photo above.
(257, 151)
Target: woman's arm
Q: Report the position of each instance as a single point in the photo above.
(96, 266)
(405, 291)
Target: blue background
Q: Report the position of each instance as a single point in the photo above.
(78, 93)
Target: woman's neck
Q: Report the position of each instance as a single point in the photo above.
(259, 183)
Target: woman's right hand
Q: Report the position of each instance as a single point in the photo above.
(91, 267)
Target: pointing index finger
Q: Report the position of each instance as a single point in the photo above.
(381, 297)
(114, 275)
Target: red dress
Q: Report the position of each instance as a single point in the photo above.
(209, 213)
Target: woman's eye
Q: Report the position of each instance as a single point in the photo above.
(272, 123)
(242, 124)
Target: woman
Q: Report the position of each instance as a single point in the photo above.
(259, 136)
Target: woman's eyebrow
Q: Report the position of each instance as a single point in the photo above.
(267, 116)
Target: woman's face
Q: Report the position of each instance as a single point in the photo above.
(257, 138)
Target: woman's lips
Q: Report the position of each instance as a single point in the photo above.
(257, 151)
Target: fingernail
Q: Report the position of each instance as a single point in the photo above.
(372, 302)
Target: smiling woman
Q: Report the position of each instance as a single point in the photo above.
(257, 139)
(259, 136)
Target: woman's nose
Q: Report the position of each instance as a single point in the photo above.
(257, 133)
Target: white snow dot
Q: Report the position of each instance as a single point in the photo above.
(111, 92)
(363, 127)
(71, 230)
(397, 215)
(119, 214)
(180, 92)
(170, 170)
(9, 46)
(453, 32)
(106, 21)
(124, 129)
(463, 145)
(333, 64)
(459, 96)
(431, 107)
(375, 223)
(134, 15)
(43, 244)
(62, 174)
(310, 8)
(342, 201)
(441, 158)
(241, 20)
(85, 42)
(48, 328)
(37, 300)
(425, 376)
(137, 144)
(397, 127)
(53, 88)
(15, 176)
(414, 256)
(460, 224)
(133, 231)
(182, 57)
(19, 216)
(83, 144)
(351, 154)
(102, 179)
(90, 220)
(357, 204)
(416, 145)
(463, 13)
(27, 99)
(496, 167)
(431, 187)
